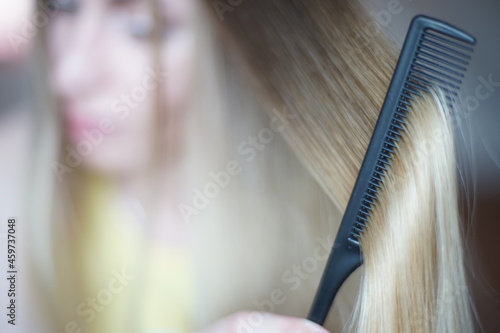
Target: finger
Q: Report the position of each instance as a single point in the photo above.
(262, 322)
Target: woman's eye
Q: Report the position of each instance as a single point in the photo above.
(140, 26)
(64, 6)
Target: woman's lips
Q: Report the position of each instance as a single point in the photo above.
(78, 128)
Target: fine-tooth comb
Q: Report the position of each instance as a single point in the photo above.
(433, 54)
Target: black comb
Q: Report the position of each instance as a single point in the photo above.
(434, 54)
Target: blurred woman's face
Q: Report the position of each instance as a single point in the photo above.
(105, 79)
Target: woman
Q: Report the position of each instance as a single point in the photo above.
(137, 155)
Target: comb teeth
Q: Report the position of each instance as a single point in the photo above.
(434, 54)
(442, 60)
(439, 59)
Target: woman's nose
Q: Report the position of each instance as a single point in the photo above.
(79, 65)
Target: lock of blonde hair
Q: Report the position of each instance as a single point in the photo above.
(330, 66)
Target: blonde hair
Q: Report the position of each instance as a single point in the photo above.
(413, 278)
(321, 69)
(330, 66)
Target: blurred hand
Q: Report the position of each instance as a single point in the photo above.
(262, 322)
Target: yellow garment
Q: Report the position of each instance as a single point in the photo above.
(138, 285)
